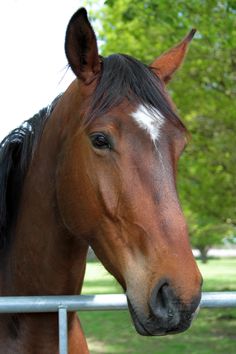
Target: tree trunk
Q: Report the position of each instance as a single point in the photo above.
(203, 254)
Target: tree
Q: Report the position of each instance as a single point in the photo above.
(204, 92)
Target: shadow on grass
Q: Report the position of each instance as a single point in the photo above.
(106, 286)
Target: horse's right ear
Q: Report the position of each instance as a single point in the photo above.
(81, 47)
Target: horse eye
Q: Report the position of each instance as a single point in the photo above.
(100, 141)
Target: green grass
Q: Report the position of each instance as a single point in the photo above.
(219, 274)
(112, 332)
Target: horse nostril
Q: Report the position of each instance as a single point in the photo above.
(163, 305)
(167, 312)
(158, 298)
(161, 296)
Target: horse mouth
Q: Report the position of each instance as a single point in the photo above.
(153, 326)
(141, 325)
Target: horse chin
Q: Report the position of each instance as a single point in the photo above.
(149, 326)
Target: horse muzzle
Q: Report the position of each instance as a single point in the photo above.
(167, 313)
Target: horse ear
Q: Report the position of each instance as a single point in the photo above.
(81, 47)
(165, 65)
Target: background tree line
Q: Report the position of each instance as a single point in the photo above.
(204, 92)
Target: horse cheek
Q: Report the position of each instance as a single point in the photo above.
(76, 199)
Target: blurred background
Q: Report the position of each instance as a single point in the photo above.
(33, 71)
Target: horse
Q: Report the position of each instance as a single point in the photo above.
(97, 168)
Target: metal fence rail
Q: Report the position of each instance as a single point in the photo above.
(63, 304)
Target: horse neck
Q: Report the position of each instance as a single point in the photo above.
(44, 258)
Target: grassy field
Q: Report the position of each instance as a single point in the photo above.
(213, 332)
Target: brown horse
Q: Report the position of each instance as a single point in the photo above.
(98, 167)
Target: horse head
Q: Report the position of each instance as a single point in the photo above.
(116, 177)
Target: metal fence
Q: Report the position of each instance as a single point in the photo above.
(63, 304)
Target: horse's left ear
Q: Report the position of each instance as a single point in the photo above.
(165, 65)
(81, 47)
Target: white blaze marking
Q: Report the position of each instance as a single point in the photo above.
(150, 120)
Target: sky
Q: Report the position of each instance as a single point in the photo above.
(32, 60)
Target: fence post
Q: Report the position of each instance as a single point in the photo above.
(63, 333)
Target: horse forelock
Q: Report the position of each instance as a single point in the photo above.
(16, 152)
(124, 77)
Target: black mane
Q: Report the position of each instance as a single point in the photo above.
(16, 151)
(124, 77)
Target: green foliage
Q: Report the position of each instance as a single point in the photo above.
(204, 91)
